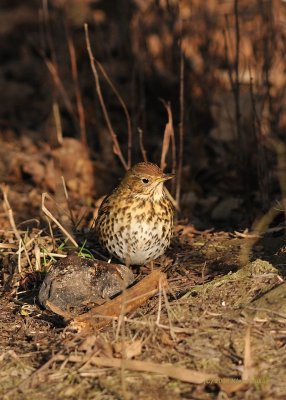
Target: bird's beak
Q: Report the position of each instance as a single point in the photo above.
(166, 177)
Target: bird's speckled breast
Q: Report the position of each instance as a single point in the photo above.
(138, 232)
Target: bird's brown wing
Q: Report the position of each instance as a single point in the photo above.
(104, 208)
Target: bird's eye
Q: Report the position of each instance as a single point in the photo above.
(145, 180)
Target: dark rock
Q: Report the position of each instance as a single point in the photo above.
(75, 282)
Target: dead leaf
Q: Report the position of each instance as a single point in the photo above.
(128, 349)
(232, 387)
(168, 135)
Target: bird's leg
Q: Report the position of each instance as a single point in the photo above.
(127, 261)
(150, 266)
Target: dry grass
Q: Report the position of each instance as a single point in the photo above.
(204, 337)
(200, 343)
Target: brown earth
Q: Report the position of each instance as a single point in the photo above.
(218, 331)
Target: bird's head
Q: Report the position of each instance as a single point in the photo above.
(146, 180)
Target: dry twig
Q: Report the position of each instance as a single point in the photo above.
(247, 374)
(168, 136)
(116, 146)
(79, 103)
(10, 214)
(181, 124)
(132, 299)
(50, 215)
(141, 144)
(121, 101)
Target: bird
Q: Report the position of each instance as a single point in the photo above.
(135, 221)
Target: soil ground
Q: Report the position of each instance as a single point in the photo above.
(219, 329)
(213, 320)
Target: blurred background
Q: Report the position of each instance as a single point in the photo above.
(219, 65)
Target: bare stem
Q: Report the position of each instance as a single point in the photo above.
(141, 144)
(59, 85)
(79, 103)
(121, 101)
(50, 215)
(116, 147)
(48, 34)
(10, 214)
(237, 58)
(169, 132)
(181, 126)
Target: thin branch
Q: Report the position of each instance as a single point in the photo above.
(237, 59)
(174, 166)
(10, 214)
(116, 147)
(248, 370)
(226, 52)
(58, 84)
(262, 170)
(141, 144)
(178, 373)
(52, 64)
(58, 122)
(79, 103)
(169, 132)
(47, 28)
(121, 101)
(68, 201)
(50, 215)
(181, 124)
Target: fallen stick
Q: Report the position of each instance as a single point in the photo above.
(128, 301)
(182, 374)
(179, 373)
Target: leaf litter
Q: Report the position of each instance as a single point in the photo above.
(212, 322)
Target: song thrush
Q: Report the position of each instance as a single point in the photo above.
(135, 221)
